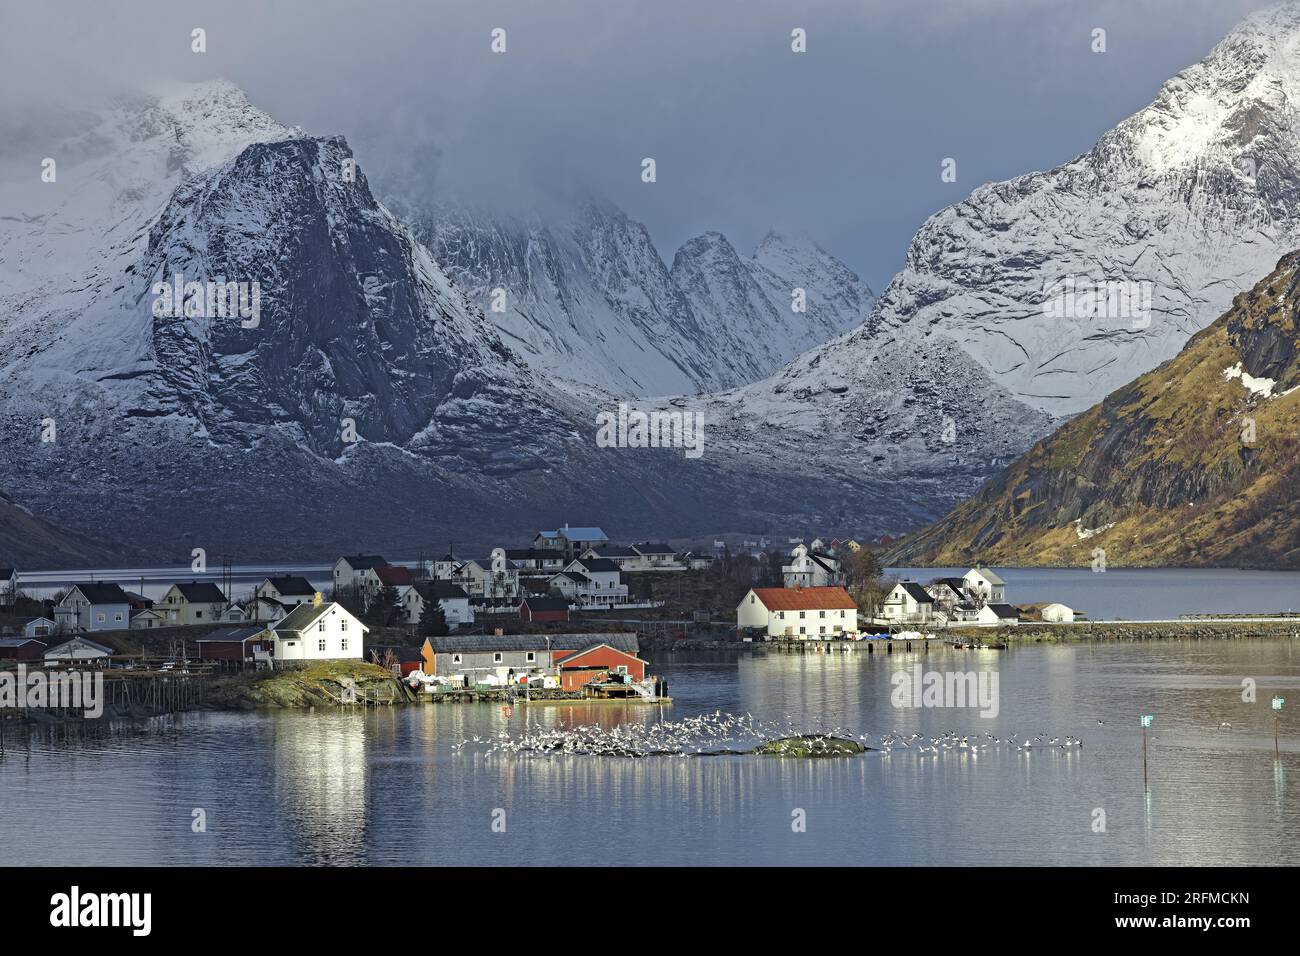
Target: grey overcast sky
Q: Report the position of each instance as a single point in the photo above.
(843, 143)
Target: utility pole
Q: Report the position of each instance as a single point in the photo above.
(1146, 722)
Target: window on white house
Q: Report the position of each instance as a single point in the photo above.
(343, 644)
(320, 626)
(531, 657)
(455, 658)
(320, 645)
(197, 615)
(496, 658)
(344, 624)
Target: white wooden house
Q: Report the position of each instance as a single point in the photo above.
(997, 615)
(984, 586)
(907, 603)
(350, 571)
(809, 568)
(801, 613)
(324, 631)
(288, 590)
(573, 541)
(591, 581)
(450, 597)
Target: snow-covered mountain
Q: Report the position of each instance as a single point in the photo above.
(358, 399)
(746, 307)
(588, 298)
(987, 334)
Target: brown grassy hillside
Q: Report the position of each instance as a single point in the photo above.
(1185, 466)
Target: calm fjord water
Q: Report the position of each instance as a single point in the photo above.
(385, 787)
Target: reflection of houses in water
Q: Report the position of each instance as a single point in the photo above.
(320, 783)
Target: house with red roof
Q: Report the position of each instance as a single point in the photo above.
(799, 613)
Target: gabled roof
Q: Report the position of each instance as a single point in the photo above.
(440, 591)
(20, 641)
(986, 574)
(569, 658)
(363, 562)
(916, 592)
(291, 584)
(597, 564)
(1004, 610)
(78, 640)
(575, 576)
(305, 615)
(6, 574)
(654, 547)
(583, 534)
(956, 584)
(612, 551)
(101, 592)
(201, 592)
(805, 599)
(394, 575)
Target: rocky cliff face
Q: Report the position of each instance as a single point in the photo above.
(1195, 463)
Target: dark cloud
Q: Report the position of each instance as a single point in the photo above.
(843, 142)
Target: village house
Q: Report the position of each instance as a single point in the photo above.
(194, 602)
(984, 586)
(655, 556)
(319, 631)
(450, 597)
(238, 646)
(8, 587)
(39, 627)
(572, 541)
(997, 615)
(947, 593)
(799, 612)
(596, 664)
(626, 558)
(492, 578)
(287, 590)
(93, 606)
(907, 603)
(79, 650)
(487, 658)
(540, 609)
(591, 581)
(145, 618)
(536, 560)
(513, 658)
(810, 568)
(22, 649)
(352, 570)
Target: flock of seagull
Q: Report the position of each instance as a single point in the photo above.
(718, 734)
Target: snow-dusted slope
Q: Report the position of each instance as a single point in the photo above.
(170, 430)
(745, 306)
(588, 297)
(1188, 201)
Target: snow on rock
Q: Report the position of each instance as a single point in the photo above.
(1257, 386)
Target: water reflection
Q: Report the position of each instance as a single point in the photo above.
(320, 776)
